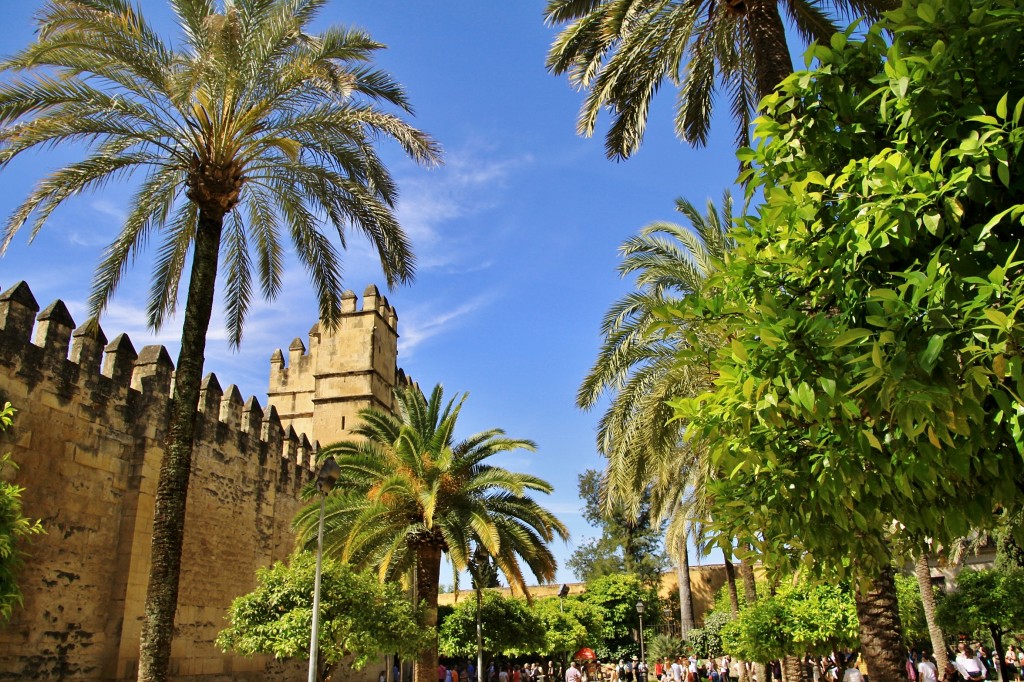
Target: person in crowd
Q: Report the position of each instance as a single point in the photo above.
(926, 670)
(573, 674)
(1011, 663)
(969, 664)
(503, 674)
(641, 671)
(692, 673)
(677, 671)
(659, 669)
(852, 672)
(442, 672)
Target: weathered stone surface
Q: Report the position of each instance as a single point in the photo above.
(88, 443)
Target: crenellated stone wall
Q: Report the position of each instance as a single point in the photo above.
(88, 438)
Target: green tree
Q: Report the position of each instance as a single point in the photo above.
(616, 597)
(630, 539)
(359, 617)
(622, 51)
(706, 641)
(568, 625)
(15, 528)
(510, 627)
(251, 125)
(986, 602)
(409, 491)
(801, 618)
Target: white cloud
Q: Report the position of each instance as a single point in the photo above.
(421, 324)
(468, 185)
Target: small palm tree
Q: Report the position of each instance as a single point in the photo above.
(639, 367)
(622, 51)
(409, 492)
(253, 129)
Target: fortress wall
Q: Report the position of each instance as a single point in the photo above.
(88, 438)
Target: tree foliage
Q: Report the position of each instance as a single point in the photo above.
(359, 616)
(15, 527)
(616, 597)
(568, 625)
(510, 627)
(874, 307)
(800, 618)
(630, 540)
(984, 602)
(706, 641)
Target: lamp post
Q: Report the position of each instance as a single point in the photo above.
(640, 612)
(325, 480)
(563, 592)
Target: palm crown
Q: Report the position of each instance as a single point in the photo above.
(622, 51)
(254, 122)
(409, 491)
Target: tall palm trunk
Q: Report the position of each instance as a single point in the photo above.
(750, 594)
(793, 669)
(479, 634)
(176, 467)
(685, 594)
(924, 583)
(428, 574)
(880, 629)
(768, 41)
(734, 602)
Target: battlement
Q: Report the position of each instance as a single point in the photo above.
(83, 364)
(88, 438)
(319, 386)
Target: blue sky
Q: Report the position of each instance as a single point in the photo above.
(516, 235)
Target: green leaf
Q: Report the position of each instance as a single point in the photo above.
(1001, 107)
(850, 336)
(930, 354)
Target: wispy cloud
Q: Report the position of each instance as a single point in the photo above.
(421, 324)
(469, 184)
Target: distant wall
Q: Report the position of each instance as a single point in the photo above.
(88, 438)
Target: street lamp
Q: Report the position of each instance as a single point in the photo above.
(640, 612)
(563, 592)
(325, 480)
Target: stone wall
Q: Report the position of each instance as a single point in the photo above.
(88, 438)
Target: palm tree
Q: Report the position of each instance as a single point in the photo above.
(410, 492)
(252, 126)
(621, 52)
(639, 367)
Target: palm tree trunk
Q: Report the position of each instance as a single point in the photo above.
(793, 669)
(880, 629)
(750, 594)
(768, 40)
(176, 467)
(428, 574)
(730, 581)
(924, 583)
(734, 601)
(479, 634)
(685, 595)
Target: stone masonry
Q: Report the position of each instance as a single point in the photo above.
(88, 438)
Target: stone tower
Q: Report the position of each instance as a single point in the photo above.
(321, 390)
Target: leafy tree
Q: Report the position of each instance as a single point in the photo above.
(253, 126)
(359, 617)
(14, 528)
(799, 619)
(568, 625)
(986, 602)
(616, 597)
(630, 537)
(409, 491)
(622, 51)
(872, 382)
(510, 627)
(706, 641)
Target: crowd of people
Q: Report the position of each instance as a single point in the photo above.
(971, 663)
